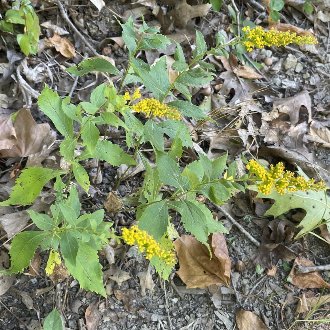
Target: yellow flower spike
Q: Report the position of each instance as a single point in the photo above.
(260, 38)
(152, 107)
(127, 97)
(136, 94)
(282, 181)
(147, 244)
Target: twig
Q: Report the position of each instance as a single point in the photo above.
(67, 19)
(167, 307)
(309, 269)
(238, 226)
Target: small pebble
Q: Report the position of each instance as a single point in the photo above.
(290, 62)
(268, 61)
(299, 67)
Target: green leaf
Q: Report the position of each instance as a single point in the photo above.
(97, 96)
(216, 192)
(176, 149)
(87, 270)
(42, 221)
(308, 7)
(154, 41)
(112, 154)
(14, 16)
(154, 219)
(216, 4)
(6, 27)
(178, 130)
(69, 247)
(23, 247)
(155, 77)
(276, 4)
(50, 104)
(169, 171)
(71, 110)
(198, 219)
(201, 46)
(194, 77)
(110, 118)
(183, 89)
(194, 172)
(89, 134)
(154, 133)
(53, 321)
(128, 35)
(24, 43)
(81, 176)
(29, 185)
(151, 184)
(73, 201)
(98, 64)
(67, 148)
(162, 268)
(180, 60)
(135, 128)
(274, 15)
(89, 107)
(218, 166)
(315, 203)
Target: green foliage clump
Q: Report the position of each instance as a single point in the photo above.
(22, 20)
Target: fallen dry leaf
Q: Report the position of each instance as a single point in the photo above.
(319, 133)
(62, 45)
(113, 203)
(305, 304)
(197, 270)
(247, 72)
(13, 223)
(55, 28)
(146, 281)
(292, 106)
(183, 13)
(247, 320)
(118, 275)
(291, 28)
(24, 136)
(312, 280)
(92, 316)
(325, 233)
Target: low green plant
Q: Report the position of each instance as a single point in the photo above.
(275, 6)
(22, 21)
(170, 189)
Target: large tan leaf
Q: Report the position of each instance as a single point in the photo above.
(312, 280)
(24, 136)
(247, 320)
(197, 269)
(319, 133)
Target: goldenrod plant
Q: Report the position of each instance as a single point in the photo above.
(148, 108)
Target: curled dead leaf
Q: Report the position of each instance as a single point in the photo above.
(113, 203)
(62, 45)
(247, 320)
(197, 269)
(291, 28)
(92, 316)
(319, 133)
(312, 280)
(22, 136)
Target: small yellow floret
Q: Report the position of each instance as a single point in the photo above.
(127, 97)
(282, 181)
(136, 94)
(147, 244)
(260, 38)
(152, 107)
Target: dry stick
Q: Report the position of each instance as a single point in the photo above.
(309, 269)
(238, 226)
(67, 19)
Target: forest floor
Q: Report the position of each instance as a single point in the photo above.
(264, 279)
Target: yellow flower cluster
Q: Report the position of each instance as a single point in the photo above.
(152, 107)
(260, 38)
(282, 181)
(136, 95)
(147, 244)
